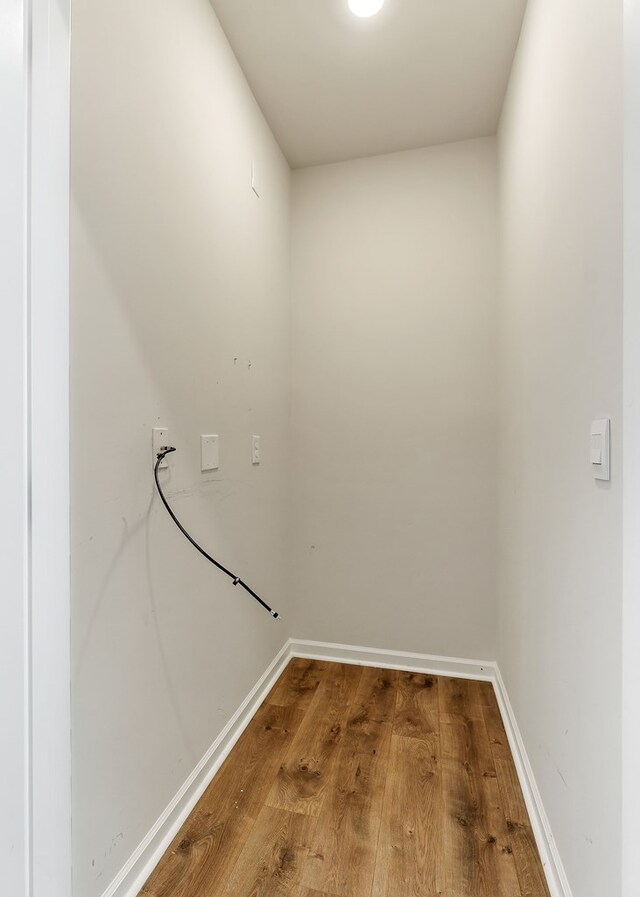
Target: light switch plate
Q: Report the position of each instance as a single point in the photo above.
(209, 452)
(160, 438)
(600, 448)
(255, 449)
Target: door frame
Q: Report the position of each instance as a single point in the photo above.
(34, 521)
(631, 462)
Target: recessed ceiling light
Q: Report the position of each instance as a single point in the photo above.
(365, 8)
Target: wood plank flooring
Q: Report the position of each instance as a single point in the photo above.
(360, 782)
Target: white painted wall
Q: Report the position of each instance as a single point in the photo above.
(394, 420)
(561, 318)
(180, 317)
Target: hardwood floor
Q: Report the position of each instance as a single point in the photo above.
(359, 782)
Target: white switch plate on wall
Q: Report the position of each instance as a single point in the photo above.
(255, 449)
(160, 438)
(209, 452)
(600, 448)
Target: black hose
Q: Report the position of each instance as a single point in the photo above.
(166, 450)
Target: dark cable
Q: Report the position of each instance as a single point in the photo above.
(164, 451)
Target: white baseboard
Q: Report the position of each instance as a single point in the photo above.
(554, 870)
(135, 872)
(394, 660)
(145, 858)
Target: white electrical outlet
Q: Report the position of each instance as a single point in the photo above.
(255, 449)
(160, 438)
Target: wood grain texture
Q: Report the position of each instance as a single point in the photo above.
(409, 856)
(477, 844)
(342, 858)
(525, 852)
(359, 782)
(373, 707)
(298, 684)
(273, 857)
(204, 852)
(306, 769)
(498, 740)
(301, 891)
(417, 708)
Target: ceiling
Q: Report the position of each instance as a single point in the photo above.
(334, 86)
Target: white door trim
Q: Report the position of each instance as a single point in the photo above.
(14, 541)
(49, 447)
(34, 521)
(631, 456)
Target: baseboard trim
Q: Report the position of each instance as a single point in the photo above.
(133, 875)
(554, 870)
(145, 858)
(394, 660)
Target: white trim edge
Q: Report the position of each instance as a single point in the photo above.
(135, 872)
(147, 855)
(394, 660)
(554, 870)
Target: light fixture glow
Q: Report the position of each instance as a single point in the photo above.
(365, 8)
